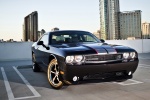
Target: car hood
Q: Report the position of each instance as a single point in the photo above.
(91, 48)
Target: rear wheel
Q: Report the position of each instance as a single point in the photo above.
(54, 75)
(35, 67)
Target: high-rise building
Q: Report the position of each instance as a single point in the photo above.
(109, 19)
(30, 27)
(146, 30)
(97, 34)
(130, 24)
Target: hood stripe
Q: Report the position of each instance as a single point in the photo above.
(91, 48)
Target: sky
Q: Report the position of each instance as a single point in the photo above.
(64, 14)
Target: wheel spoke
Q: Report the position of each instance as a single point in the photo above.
(57, 78)
(56, 67)
(33, 67)
(54, 79)
(53, 72)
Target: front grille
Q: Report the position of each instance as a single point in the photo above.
(108, 57)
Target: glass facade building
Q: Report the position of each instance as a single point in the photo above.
(109, 19)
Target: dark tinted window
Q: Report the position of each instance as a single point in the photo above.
(72, 37)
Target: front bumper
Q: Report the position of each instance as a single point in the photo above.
(84, 70)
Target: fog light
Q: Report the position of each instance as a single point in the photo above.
(75, 78)
(130, 73)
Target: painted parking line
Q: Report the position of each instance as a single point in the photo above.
(36, 94)
(7, 85)
(8, 88)
(129, 82)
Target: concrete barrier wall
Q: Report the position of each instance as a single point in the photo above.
(146, 46)
(22, 50)
(141, 46)
(15, 51)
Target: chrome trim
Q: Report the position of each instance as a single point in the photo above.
(99, 55)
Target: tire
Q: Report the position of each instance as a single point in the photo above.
(35, 66)
(53, 75)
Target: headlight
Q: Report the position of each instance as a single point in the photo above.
(69, 59)
(78, 58)
(125, 55)
(132, 54)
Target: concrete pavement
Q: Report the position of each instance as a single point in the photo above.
(22, 83)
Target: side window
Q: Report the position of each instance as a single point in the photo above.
(89, 38)
(45, 39)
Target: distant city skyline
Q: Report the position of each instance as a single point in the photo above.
(146, 30)
(66, 14)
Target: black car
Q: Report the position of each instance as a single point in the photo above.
(71, 56)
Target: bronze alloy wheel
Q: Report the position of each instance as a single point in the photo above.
(34, 64)
(54, 75)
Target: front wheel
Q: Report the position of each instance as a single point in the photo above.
(54, 75)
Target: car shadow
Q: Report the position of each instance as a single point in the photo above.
(39, 79)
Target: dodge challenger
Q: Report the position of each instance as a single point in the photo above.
(69, 56)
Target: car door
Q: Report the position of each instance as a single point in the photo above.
(43, 52)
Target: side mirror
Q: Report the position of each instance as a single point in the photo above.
(103, 41)
(40, 43)
(47, 48)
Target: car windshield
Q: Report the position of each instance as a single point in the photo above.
(62, 37)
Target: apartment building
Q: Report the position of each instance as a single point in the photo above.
(130, 24)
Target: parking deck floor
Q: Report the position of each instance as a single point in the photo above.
(19, 82)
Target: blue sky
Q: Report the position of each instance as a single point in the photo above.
(65, 14)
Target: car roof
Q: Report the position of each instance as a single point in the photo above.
(67, 31)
